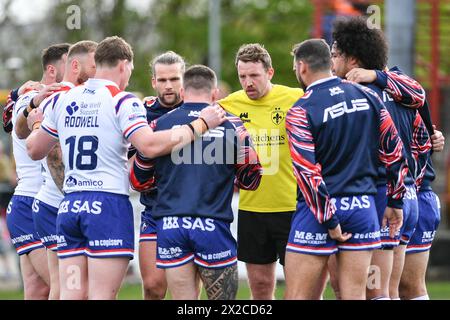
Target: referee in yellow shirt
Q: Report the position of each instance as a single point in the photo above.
(264, 216)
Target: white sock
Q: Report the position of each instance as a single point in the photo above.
(396, 299)
(425, 297)
(381, 298)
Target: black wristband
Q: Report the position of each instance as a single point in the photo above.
(32, 105)
(331, 223)
(25, 112)
(204, 121)
(192, 128)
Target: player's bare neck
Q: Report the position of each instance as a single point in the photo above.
(111, 74)
(197, 96)
(171, 106)
(71, 79)
(317, 76)
(199, 100)
(46, 80)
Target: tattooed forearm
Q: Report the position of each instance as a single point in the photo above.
(55, 165)
(220, 284)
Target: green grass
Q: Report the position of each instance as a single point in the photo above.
(133, 292)
(11, 295)
(437, 291)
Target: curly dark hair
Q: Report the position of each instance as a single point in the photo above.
(354, 38)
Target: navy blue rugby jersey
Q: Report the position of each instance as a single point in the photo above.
(429, 171)
(414, 135)
(429, 176)
(148, 195)
(401, 88)
(396, 89)
(198, 180)
(338, 131)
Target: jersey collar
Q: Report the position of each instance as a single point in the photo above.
(93, 82)
(195, 105)
(315, 83)
(68, 84)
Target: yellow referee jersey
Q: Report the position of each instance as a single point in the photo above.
(265, 121)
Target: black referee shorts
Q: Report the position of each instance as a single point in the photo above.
(262, 236)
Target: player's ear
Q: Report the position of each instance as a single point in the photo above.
(75, 65)
(354, 63)
(215, 94)
(51, 71)
(153, 80)
(303, 67)
(270, 72)
(122, 64)
(182, 93)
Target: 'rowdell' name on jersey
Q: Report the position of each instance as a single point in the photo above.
(83, 116)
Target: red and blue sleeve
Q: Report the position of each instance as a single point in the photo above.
(306, 170)
(392, 156)
(420, 146)
(248, 167)
(402, 88)
(142, 173)
(8, 110)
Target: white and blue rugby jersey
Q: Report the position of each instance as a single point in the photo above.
(93, 123)
(49, 192)
(29, 177)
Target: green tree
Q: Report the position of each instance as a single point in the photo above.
(100, 19)
(179, 25)
(183, 27)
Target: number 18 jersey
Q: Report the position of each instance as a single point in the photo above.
(93, 123)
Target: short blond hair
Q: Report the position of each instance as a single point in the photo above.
(82, 47)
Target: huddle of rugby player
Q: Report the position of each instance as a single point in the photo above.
(360, 155)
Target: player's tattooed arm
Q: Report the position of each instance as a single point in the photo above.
(220, 284)
(56, 166)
